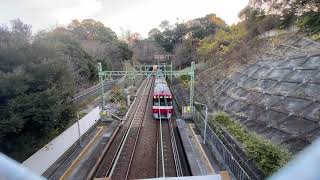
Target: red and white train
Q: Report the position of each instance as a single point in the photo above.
(162, 99)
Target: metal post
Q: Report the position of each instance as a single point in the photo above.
(206, 121)
(101, 84)
(171, 73)
(205, 126)
(192, 83)
(128, 97)
(165, 71)
(80, 141)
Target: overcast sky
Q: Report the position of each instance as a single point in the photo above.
(137, 15)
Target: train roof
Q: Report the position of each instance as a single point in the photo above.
(161, 87)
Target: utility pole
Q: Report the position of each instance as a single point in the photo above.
(102, 86)
(80, 141)
(191, 73)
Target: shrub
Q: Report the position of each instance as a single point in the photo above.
(117, 95)
(268, 156)
(310, 22)
(222, 43)
(123, 109)
(185, 79)
(316, 36)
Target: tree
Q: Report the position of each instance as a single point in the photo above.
(37, 82)
(303, 13)
(224, 41)
(172, 36)
(310, 22)
(155, 34)
(183, 54)
(125, 51)
(40, 74)
(90, 29)
(81, 64)
(165, 25)
(258, 22)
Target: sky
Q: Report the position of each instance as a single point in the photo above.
(134, 15)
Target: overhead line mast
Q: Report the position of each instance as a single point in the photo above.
(143, 70)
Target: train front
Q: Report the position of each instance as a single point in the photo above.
(162, 100)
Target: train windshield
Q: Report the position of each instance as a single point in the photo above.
(163, 102)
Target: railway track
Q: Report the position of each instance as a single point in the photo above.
(167, 157)
(123, 160)
(133, 151)
(103, 166)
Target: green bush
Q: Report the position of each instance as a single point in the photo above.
(224, 42)
(117, 95)
(185, 78)
(268, 156)
(123, 109)
(310, 22)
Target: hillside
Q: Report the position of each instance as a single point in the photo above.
(40, 74)
(275, 96)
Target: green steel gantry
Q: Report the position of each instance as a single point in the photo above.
(144, 70)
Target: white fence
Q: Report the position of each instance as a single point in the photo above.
(46, 156)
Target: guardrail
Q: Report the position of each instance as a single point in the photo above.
(219, 149)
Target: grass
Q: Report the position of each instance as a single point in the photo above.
(268, 156)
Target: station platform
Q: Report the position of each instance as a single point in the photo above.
(81, 158)
(199, 162)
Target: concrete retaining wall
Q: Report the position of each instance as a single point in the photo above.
(46, 156)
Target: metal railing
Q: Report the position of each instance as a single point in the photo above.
(219, 149)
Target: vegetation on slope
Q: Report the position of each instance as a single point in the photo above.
(222, 43)
(302, 13)
(182, 38)
(268, 156)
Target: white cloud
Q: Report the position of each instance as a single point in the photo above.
(143, 17)
(80, 9)
(137, 15)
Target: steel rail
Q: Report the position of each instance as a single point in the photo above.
(139, 130)
(119, 149)
(94, 88)
(97, 164)
(175, 151)
(161, 140)
(157, 160)
(116, 158)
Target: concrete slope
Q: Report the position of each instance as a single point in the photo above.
(279, 95)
